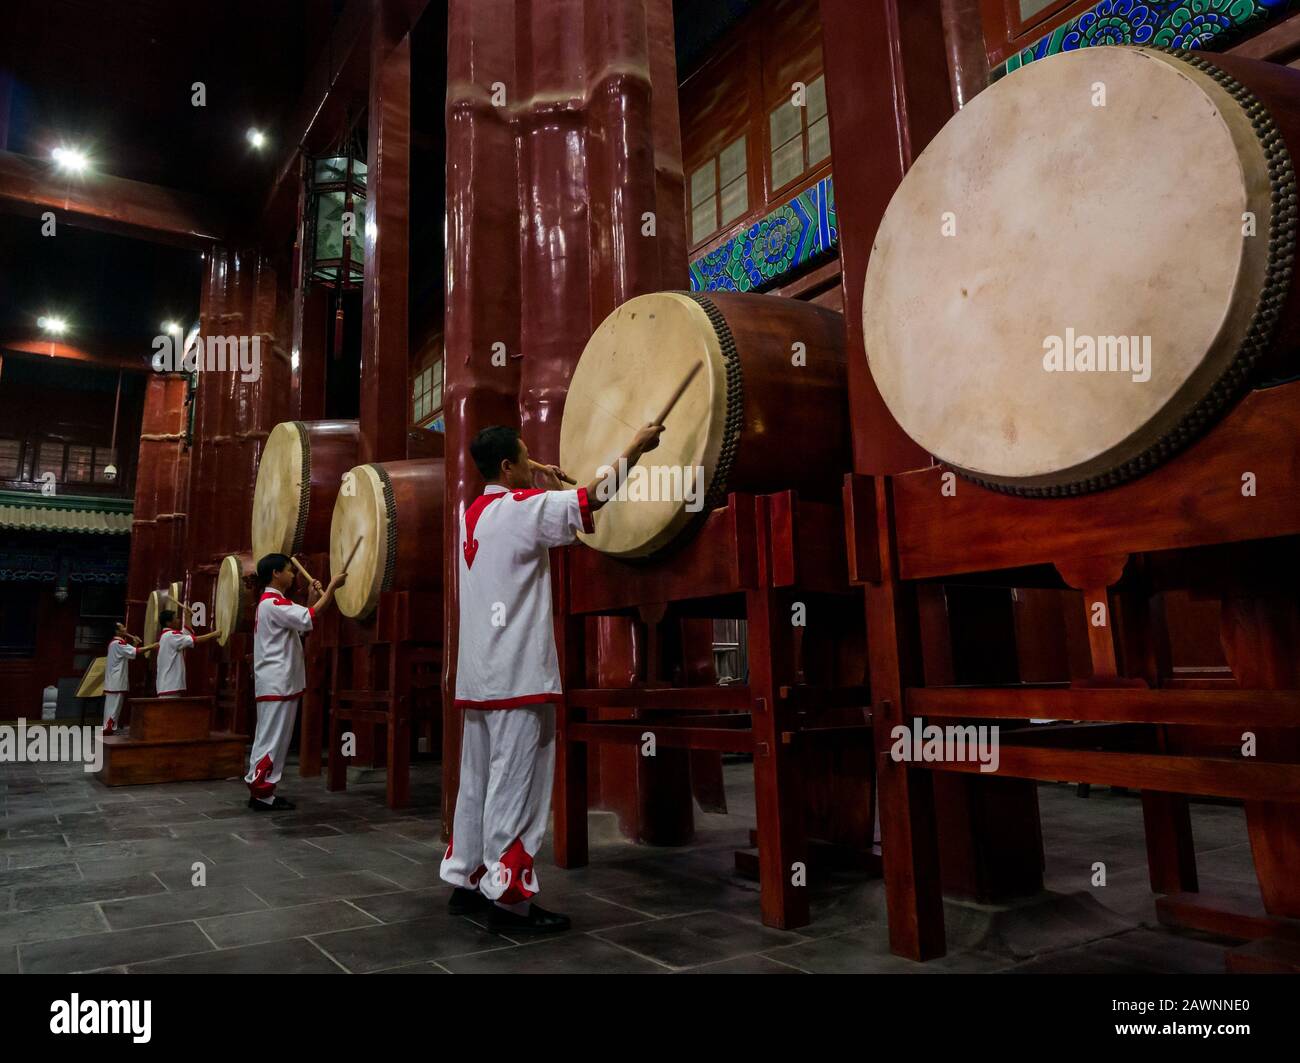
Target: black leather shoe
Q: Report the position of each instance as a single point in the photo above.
(537, 921)
(467, 902)
(278, 805)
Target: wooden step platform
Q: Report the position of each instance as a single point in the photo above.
(170, 740)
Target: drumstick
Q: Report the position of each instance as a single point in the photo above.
(681, 390)
(357, 546)
(539, 467)
(305, 574)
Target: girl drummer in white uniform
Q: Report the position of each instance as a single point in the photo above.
(117, 681)
(175, 640)
(279, 674)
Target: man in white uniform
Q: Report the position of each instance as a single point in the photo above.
(279, 675)
(508, 675)
(117, 680)
(175, 640)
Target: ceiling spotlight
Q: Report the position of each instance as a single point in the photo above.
(172, 327)
(55, 325)
(257, 138)
(70, 160)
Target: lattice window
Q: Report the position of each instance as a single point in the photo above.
(80, 464)
(426, 393)
(799, 134)
(11, 454)
(719, 191)
(104, 457)
(49, 459)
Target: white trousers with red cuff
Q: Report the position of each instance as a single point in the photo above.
(270, 746)
(507, 765)
(113, 712)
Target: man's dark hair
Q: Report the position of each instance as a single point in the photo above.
(269, 566)
(491, 447)
(166, 617)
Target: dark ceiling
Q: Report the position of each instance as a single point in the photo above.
(699, 24)
(115, 77)
(115, 293)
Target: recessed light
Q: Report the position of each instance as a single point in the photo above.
(172, 327)
(257, 138)
(70, 160)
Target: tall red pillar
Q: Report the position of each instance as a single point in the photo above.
(564, 189)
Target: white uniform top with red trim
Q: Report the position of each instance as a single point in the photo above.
(172, 644)
(116, 679)
(279, 672)
(507, 652)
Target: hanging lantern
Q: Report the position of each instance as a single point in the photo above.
(336, 203)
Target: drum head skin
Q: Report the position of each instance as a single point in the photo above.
(362, 510)
(159, 602)
(628, 370)
(280, 498)
(92, 683)
(1097, 199)
(229, 598)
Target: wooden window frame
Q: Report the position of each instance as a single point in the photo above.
(819, 168)
(716, 162)
(31, 449)
(1005, 33)
(437, 382)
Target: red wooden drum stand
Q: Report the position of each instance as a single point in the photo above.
(384, 672)
(1232, 493)
(754, 558)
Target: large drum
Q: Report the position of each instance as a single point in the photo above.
(1088, 265)
(394, 509)
(235, 595)
(769, 411)
(168, 599)
(297, 478)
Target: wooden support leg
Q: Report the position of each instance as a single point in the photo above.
(1171, 854)
(908, 830)
(337, 775)
(1260, 634)
(570, 789)
(310, 736)
(778, 796)
(399, 729)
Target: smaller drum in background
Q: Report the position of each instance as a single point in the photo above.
(394, 509)
(92, 683)
(161, 601)
(298, 476)
(232, 604)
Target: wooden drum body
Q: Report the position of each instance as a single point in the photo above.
(234, 597)
(298, 478)
(769, 412)
(395, 509)
(160, 601)
(1088, 265)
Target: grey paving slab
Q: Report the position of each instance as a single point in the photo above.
(180, 905)
(46, 924)
(393, 945)
(565, 954)
(276, 924)
(91, 952)
(692, 940)
(296, 956)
